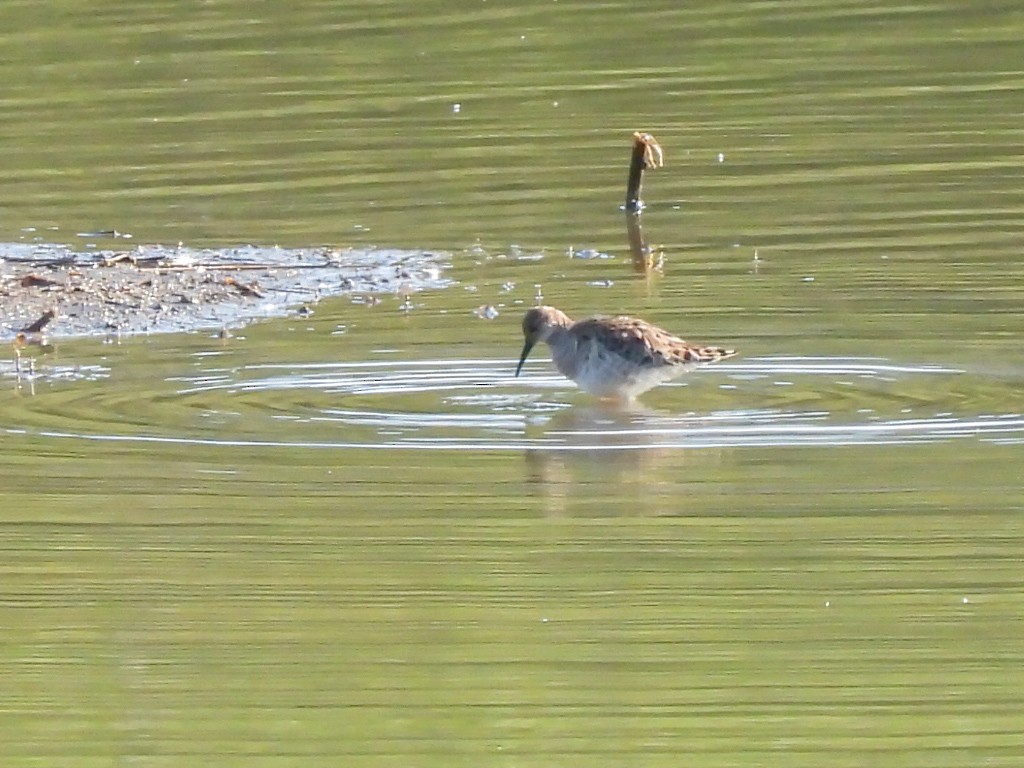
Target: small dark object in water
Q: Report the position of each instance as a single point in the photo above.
(646, 154)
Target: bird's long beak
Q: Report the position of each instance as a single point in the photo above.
(526, 353)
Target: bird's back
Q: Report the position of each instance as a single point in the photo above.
(624, 356)
(644, 344)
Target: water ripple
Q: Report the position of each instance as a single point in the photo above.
(476, 404)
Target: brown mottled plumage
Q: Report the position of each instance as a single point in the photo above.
(613, 357)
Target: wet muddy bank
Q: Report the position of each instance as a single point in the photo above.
(157, 289)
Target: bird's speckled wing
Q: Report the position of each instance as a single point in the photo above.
(643, 344)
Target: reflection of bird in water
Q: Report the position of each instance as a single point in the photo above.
(594, 452)
(613, 357)
(32, 336)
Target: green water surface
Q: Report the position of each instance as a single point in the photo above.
(354, 539)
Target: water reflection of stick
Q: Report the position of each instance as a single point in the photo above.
(645, 258)
(646, 154)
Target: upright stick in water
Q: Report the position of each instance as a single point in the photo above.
(646, 154)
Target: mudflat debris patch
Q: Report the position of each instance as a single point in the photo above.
(160, 289)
